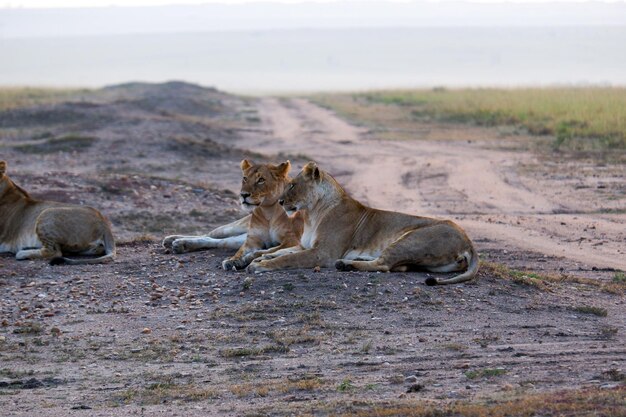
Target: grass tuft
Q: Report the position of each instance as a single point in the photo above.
(254, 351)
(596, 311)
(345, 385)
(485, 373)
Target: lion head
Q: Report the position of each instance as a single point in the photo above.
(304, 190)
(262, 184)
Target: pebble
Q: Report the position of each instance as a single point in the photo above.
(146, 330)
(411, 379)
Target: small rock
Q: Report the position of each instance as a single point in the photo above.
(317, 269)
(146, 330)
(411, 379)
(55, 331)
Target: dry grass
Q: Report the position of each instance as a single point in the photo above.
(167, 391)
(544, 281)
(584, 402)
(285, 386)
(485, 373)
(69, 143)
(581, 119)
(14, 97)
(596, 311)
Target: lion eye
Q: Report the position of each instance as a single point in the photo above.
(291, 186)
(244, 179)
(261, 181)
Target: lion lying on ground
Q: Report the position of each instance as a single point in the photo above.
(35, 229)
(266, 230)
(340, 231)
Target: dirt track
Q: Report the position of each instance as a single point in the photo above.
(485, 189)
(162, 334)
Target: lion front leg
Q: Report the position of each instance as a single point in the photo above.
(303, 258)
(236, 228)
(192, 244)
(246, 254)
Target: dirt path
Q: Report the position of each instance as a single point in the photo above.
(482, 188)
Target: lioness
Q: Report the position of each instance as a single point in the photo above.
(266, 230)
(340, 231)
(34, 229)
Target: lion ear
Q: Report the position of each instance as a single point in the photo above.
(3, 167)
(311, 171)
(245, 164)
(283, 169)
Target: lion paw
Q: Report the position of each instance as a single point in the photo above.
(181, 246)
(167, 242)
(233, 264)
(343, 266)
(256, 268)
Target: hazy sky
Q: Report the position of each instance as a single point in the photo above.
(105, 3)
(288, 45)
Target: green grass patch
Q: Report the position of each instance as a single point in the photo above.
(253, 351)
(579, 119)
(345, 385)
(619, 277)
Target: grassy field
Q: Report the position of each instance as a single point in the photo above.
(579, 119)
(13, 97)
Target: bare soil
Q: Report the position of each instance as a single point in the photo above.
(162, 334)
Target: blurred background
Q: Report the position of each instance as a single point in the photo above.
(258, 47)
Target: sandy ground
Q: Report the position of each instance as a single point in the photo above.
(162, 334)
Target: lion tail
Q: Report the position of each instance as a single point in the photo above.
(472, 270)
(109, 253)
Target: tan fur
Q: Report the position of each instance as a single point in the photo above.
(339, 231)
(267, 229)
(34, 229)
